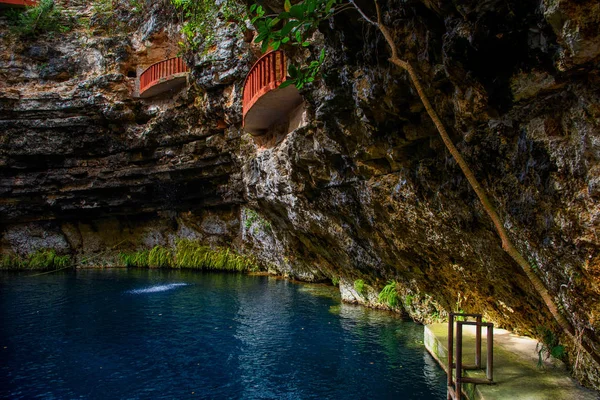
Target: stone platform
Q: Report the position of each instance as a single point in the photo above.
(516, 372)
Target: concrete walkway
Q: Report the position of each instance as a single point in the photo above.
(516, 373)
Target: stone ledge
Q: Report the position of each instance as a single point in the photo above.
(516, 373)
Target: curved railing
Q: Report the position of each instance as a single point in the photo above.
(162, 70)
(265, 75)
(22, 3)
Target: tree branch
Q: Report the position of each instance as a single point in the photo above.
(362, 14)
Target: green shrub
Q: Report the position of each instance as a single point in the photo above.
(189, 255)
(335, 281)
(42, 259)
(548, 346)
(252, 217)
(44, 17)
(11, 262)
(137, 259)
(160, 257)
(359, 286)
(389, 294)
(199, 18)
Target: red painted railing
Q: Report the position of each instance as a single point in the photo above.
(265, 75)
(22, 3)
(161, 70)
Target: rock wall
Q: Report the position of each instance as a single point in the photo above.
(366, 190)
(85, 166)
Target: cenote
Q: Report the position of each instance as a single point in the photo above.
(179, 334)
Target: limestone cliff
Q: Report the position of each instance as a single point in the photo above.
(365, 191)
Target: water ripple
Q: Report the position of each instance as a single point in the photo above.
(157, 288)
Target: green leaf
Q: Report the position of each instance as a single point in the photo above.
(253, 7)
(292, 71)
(265, 46)
(287, 5)
(329, 6)
(297, 11)
(261, 37)
(287, 83)
(275, 45)
(305, 44)
(274, 22)
(285, 40)
(288, 27)
(298, 36)
(322, 56)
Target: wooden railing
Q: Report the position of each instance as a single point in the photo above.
(265, 75)
(22, 3)
(161, 70)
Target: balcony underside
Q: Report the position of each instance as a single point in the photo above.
(273, 107)
(17, 3)
(171, 82)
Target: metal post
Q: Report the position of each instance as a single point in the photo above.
(458, 378)
(490, 352)
(478, 343)
(450, 353)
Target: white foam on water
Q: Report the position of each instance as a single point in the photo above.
(157, 288)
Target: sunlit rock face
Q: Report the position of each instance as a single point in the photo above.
(366, 190)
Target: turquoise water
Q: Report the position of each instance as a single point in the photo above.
(129, 334)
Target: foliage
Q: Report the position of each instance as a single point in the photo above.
(105, 13)
(137, 259)
(548, 346)
(160, 257)
(46, 16)
(253, 217)
(41, 259)
(335, 281)
(389, 294)
(10, 262)
(191, 255)
(200, 17)
(359, 286)
(294, 26)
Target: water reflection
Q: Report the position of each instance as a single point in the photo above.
(157, 288)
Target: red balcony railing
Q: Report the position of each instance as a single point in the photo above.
(265, 75)
(19, 3)
(160, 72)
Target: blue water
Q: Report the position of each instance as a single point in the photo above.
(139, 334)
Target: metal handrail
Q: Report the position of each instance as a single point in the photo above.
(455, 385)
(160, 70)
(265, 75)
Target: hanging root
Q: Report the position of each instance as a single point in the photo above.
(486, 203)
